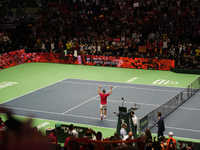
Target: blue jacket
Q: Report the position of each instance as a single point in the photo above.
(161, 125)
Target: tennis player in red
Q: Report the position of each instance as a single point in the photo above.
(103, 102)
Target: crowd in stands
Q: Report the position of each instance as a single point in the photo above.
(170, 29)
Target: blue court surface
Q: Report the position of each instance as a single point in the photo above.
(77, 101)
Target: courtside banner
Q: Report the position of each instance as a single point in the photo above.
(51, 58)
(18, 57)
(12, 59)
(126, 62)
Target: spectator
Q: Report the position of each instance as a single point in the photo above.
(148, 139)
(134, 119)
(190, 145)
(198, 53)
(123, 130)
(5, 128)
(72, 130)
(43, 47)
(151, 37)
(160, 125)
(129, 137)
(117, 137)
(163, 142)
(171, 142)
(54, 139)
(60, 46)
(156, 146)
(68, 46)
(70, 137)
(2, 123)
(52, 46)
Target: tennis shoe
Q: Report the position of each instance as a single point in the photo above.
(104, 117)
(101, 117)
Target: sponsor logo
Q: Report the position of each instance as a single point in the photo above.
(164, 82)
(42, 125)
(131, 80)
(7, 84)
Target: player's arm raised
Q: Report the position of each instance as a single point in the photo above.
(99, 89)
(110, 90)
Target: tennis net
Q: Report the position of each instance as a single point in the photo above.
(150, 119)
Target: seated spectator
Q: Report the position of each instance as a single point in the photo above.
(163, 142)
(117, 137)
(130, 137)
(148, 139)
(21, 135)
(156, 146)
(70, 137)
(2, 123)
(54, 140)
(99, 134)
(72, 130)
(190, 145)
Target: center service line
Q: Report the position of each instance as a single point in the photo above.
(83, 102)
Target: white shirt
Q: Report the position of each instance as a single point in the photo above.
(134, 118)
(98, 48)
(126, 137)
(81, 47)
(123, 133)
(165, 44)
(74, 133)
(52, 46)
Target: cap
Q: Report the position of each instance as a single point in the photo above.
(71, 134)
(170, 133)
(58, 125)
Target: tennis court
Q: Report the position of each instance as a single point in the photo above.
(76, 100)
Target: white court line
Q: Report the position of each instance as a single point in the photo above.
(191, 130)
(55, 113)
(123, 87)
(34, 90)
(188, 108)
(109, 100)
(79, 104)
(83, 103)
(82, 83)
(129, 83)
(196, 109)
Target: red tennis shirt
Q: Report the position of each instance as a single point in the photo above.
(104, 98)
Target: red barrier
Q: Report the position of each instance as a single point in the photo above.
(12, 59)
(126, 62)
(18, 57)
(51, 58)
